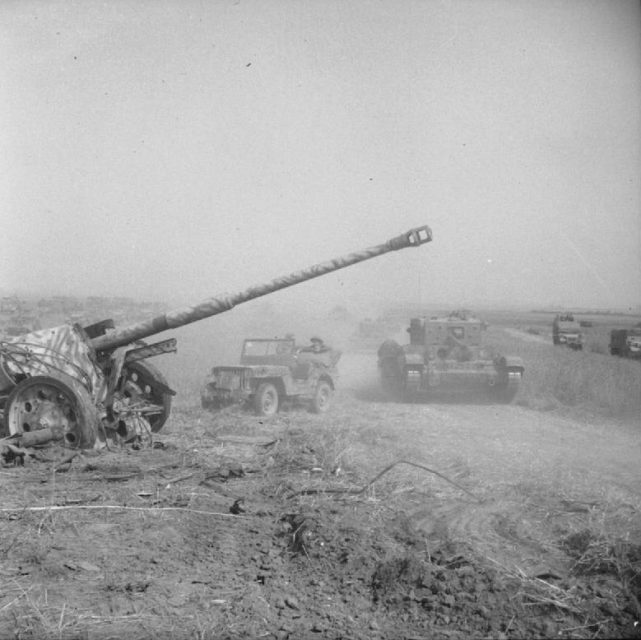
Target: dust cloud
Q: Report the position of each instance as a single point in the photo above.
(218, 341)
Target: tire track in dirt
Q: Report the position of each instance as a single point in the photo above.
(499, 530)
(534, 472)
(536, 475)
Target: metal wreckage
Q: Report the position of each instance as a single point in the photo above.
(89, 386)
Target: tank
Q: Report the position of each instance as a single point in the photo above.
(94, 384)
(447, 353)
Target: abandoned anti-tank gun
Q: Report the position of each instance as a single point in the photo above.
(88, 385)
(447, 353)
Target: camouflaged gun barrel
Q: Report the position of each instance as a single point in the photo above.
(225, 302)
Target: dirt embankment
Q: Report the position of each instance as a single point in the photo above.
(237, 527)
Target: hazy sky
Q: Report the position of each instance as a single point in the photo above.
(176, 149)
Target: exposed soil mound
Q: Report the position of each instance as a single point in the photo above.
(302, 526)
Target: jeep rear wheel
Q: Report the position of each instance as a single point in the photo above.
(322, 397)
(266, 399)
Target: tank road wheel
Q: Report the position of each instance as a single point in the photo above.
(42, 402)
(266, 400)
(144, 382)
(322, 397)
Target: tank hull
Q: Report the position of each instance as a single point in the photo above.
(447, 355)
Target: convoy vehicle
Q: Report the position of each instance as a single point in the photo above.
(567, 331)
(273, 371)
(447, 353)
(626, 342)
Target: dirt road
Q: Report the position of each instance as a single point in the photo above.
(240, 527)
(512, 458)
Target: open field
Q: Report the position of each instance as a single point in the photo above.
(582, 384)
(239, 527)
(597, 335)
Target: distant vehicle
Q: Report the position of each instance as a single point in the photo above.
(447, 353)
(273, 371)
(626, 342)
(567, 331)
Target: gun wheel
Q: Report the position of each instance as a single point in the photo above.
(322, 397)
(144, 383)
(42, 402)
(266, 400)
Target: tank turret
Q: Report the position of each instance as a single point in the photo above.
(94, 383)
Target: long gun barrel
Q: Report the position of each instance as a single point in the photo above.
(213, 306)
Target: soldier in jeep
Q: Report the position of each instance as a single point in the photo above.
(317, 346)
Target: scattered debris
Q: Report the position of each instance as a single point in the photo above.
(355, 491)
(237, 507)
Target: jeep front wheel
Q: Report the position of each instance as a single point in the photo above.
(322, 397)
(266, 399)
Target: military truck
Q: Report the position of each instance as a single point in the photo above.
(567, 331)
(626, 342)
(447, 353)
(273, 371)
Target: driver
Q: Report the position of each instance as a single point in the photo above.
(317, 346)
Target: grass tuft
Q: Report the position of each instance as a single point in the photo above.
(586, 382)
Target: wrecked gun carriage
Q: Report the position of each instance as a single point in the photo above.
(94, 383)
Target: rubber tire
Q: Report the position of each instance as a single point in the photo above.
(150, 373)
(208, 405)
(84, 434)
(322, 399)
(266, 400)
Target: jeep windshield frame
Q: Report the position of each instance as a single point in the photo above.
(267, 348)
